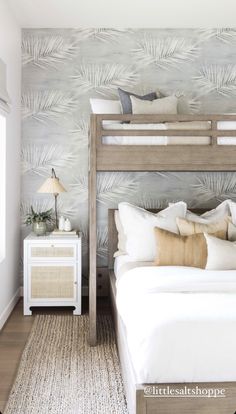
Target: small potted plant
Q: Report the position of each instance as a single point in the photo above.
(39, 221)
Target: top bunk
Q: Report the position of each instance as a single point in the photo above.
(163, 142)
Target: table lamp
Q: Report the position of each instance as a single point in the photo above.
(53, 186)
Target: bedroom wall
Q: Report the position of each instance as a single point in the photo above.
(63, 68)
(10, 53)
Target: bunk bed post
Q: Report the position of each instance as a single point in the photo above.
(92, 233)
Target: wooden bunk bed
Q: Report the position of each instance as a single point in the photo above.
(106, 157)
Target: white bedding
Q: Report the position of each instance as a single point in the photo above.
(125, 262)
(119, 262)
(150, 140)
(166, 140)
(226, 125)
(180, 323)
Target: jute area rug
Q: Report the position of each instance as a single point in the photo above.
(60, 373)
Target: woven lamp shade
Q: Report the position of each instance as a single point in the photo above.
(52, 186)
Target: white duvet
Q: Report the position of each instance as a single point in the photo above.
(180, 323)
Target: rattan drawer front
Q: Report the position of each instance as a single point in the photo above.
(52, 282)
(52, 251)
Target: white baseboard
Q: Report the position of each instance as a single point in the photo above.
(9, 308)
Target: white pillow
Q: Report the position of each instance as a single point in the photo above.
(232, 207)
(210, 216)
(166, 105)
(138, 225)
(221, 254)
(121, 236)
(106, 106)
(231, 231)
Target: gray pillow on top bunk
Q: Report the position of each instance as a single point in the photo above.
(126, 101)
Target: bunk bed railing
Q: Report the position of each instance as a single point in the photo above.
(212, 157)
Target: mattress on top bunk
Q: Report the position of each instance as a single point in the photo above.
(180, 322)
(166, 140)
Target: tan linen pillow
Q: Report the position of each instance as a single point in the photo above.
(159, 106)
(187, 228)
(176, 250)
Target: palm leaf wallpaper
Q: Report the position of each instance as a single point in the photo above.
(227, 35)
(46, 51)
(103, 34)
(47, 105)
(218, 78)
(166, 53)
(103, 78)
(63, 68)
(39, 159)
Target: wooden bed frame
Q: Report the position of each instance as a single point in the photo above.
(104, 157)
(137, 401)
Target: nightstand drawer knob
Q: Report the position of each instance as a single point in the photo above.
(75, 283)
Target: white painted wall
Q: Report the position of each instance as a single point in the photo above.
(125, 13)
(10, 53)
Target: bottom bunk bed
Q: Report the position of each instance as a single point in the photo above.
(201, 387)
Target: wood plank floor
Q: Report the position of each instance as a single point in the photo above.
(12, 342)
(13, 338)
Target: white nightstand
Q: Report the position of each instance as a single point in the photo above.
(52, 272)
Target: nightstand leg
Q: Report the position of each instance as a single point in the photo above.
(27, 311)
(77, 311)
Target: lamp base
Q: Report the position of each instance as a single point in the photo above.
(56, 217)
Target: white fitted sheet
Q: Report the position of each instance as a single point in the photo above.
(166, 140)
(180, 323)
